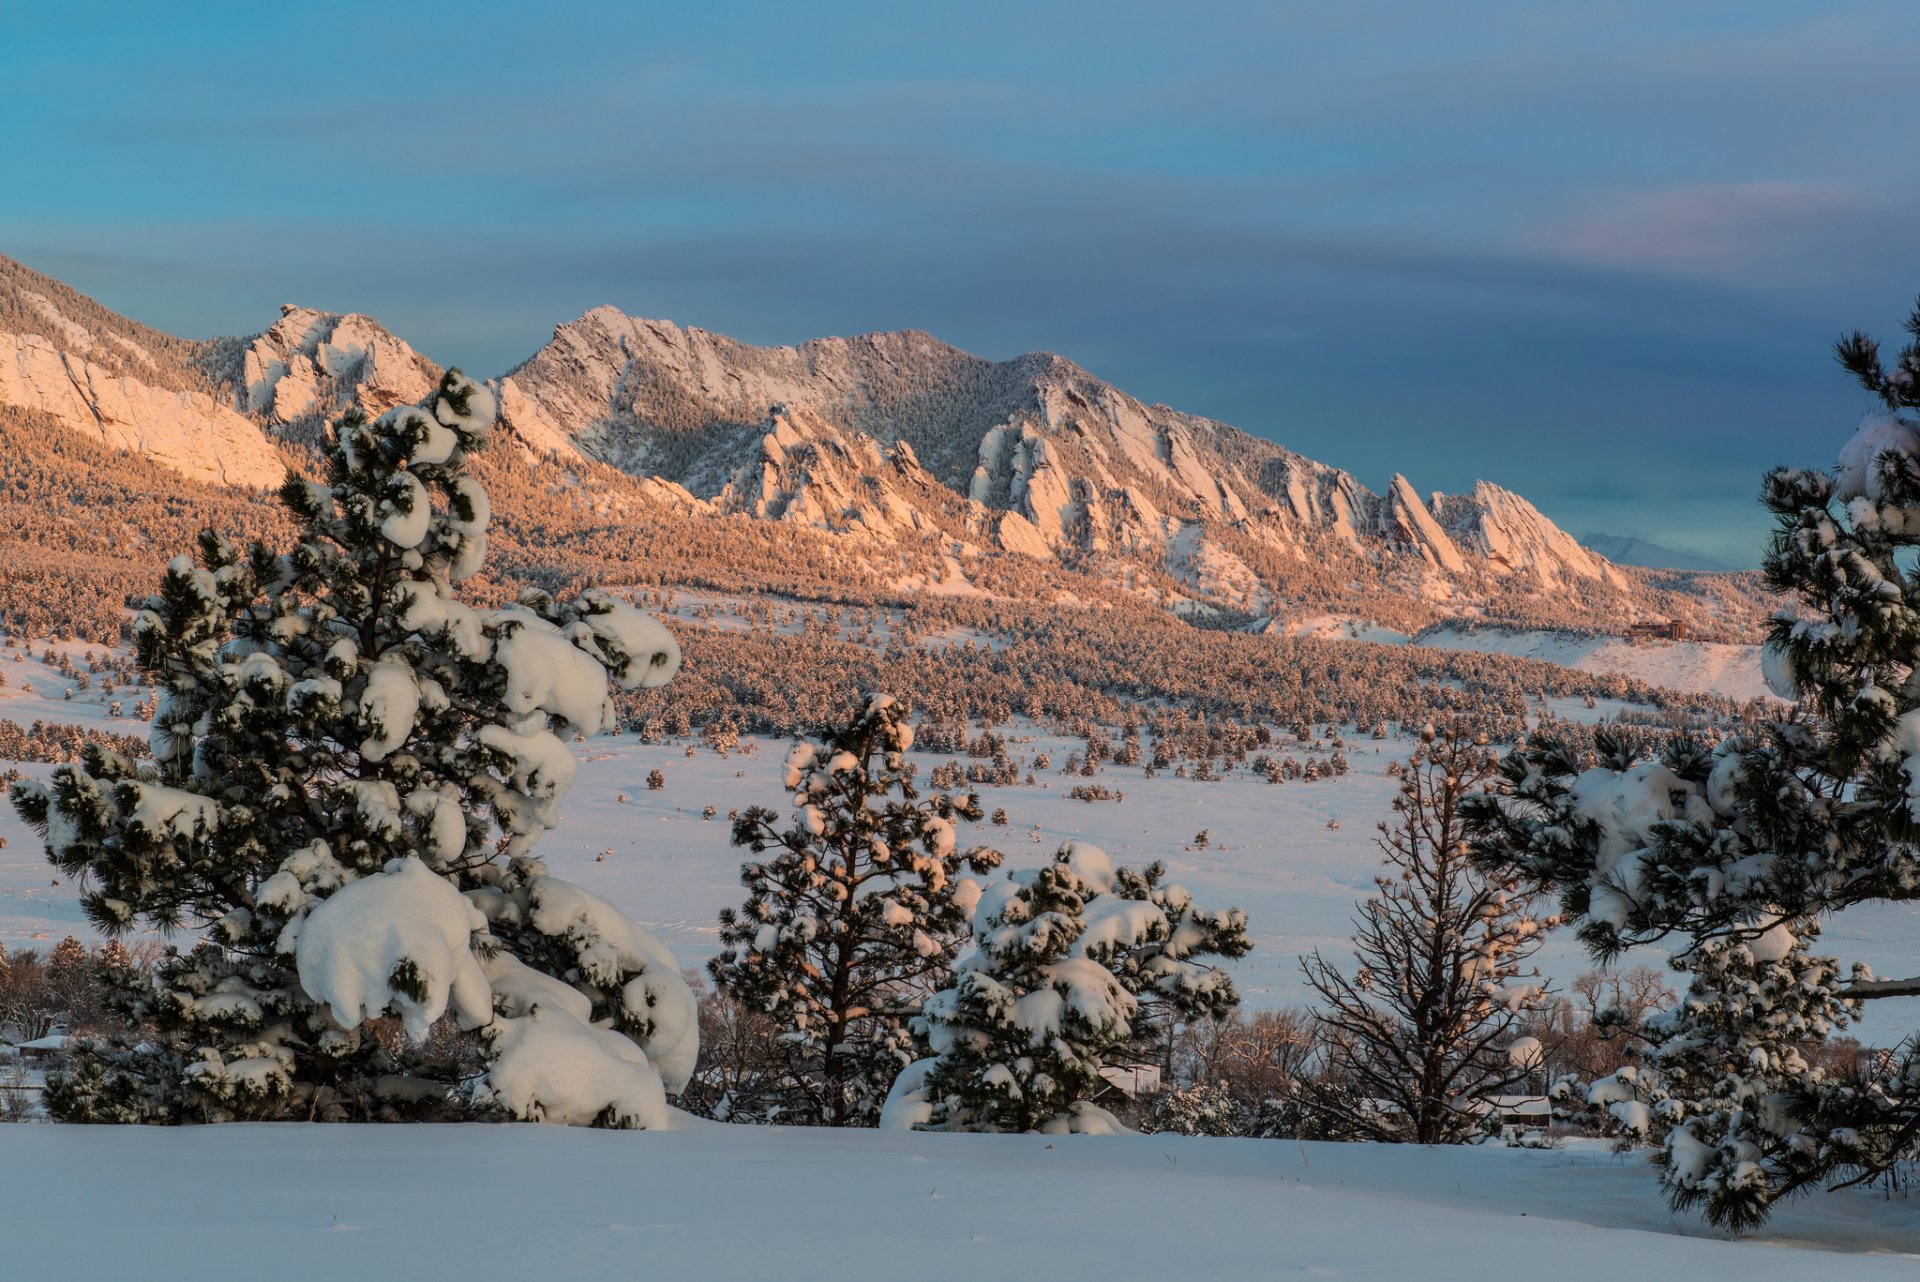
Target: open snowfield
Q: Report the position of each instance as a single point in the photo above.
(1270, 851)
(32, 691)
(1695, 667)
(717, 1203)
(1698, 667)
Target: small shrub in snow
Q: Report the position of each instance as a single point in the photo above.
(1203, 1109)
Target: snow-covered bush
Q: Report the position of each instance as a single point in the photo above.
(351, 767)
(1064, 959)
(855, 912)
(1745, 847)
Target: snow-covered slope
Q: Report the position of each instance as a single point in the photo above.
(135, 389)
(716, 1203)
(1701, 667)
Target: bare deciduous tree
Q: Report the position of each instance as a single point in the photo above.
(1419, 1030)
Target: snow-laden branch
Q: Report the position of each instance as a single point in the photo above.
(1867, 989)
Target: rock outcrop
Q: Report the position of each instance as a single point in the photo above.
(315, 364)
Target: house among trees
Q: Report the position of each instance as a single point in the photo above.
(1667, 630)
(1127, 1082)
(1521, 1112)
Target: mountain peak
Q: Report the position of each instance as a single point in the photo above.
(311, 365)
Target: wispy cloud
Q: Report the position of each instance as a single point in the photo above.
(1768, 236)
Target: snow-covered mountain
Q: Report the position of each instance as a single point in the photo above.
(312, 365)
(133, 388)
(1056, 459)
(1625, 549)
(893, 438)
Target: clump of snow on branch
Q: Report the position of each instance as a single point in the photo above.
(399, 941)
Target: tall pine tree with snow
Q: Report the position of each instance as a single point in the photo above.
(350, 769)
(854, 914)
(1742, 850)
(1419, 1029)
(1065, 959)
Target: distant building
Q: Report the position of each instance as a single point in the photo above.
(1128, 1081)
(1671, 630)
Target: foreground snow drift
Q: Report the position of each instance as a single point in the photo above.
(715, 1202)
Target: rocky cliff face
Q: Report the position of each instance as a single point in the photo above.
(120, 383)
(312, 364)
(1511, 536)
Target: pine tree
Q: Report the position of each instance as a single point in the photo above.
(1418, 1031)
(1204, 1109)
(855, 912)
(1065, 959)
(1746, 847)
(351, 767)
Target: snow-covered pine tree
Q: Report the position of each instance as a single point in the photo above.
(855, 912)
(1065, 956)
(1418, 1031)
(1744, 848)
(350, 768)
(1207, 1108)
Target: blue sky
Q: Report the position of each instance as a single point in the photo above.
(1594, 252)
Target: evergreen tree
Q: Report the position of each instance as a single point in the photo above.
(1418, 1031)
(1746, 847)
(351, 767)
(1204, 1109)
(855, 912)
(1064, 959)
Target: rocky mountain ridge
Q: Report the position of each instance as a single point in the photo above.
(892, 439)
(1057, 460)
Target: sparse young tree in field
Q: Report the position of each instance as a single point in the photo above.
(350, 769)
(1418, 1030)
(1744, 849)
(855, 912)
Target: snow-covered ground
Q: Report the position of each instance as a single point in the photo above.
(1270, 850)
(32, 690)
(1695, 667)
(1698, 667)
(1340, 627)
(716, 1203)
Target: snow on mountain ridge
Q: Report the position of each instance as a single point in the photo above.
(1062, 461)
(896, 436)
